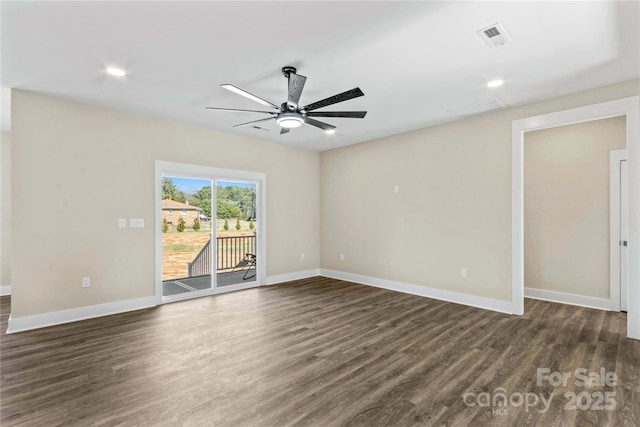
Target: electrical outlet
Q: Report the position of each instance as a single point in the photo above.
(396, 189)
(464, 273)
(301, 257)
(341, 257)
(86, 282)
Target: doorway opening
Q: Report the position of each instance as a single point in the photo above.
(628, 107)
(566, 210)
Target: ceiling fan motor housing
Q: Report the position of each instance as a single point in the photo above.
(287, 70)
(287, 106)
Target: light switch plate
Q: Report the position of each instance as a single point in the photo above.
(136, 223)
(122, 223)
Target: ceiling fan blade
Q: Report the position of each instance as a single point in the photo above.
(344, 96)
(318, 124)
(284, 130)
(296, 84)
(239, 111)
(350, 114)
(254, 121)
(248, 95)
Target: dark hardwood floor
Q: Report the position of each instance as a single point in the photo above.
(320, 352)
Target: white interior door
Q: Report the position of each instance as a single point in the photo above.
(624, 229)
(619, 258)
(619, 250)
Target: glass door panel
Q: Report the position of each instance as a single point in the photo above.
(236, 233)
(186, 235)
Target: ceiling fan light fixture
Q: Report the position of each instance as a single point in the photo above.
(330, 131)
(495, 83)
(289, 120)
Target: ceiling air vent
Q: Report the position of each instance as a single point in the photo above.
(494, 35)
(473, 109)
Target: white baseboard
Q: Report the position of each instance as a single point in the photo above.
(19, 324)
(296, 275)
(563, 298)
(5, 290)
(423, 291)
(25, 323)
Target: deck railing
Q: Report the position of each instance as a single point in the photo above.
(201, 264)
(231, 250)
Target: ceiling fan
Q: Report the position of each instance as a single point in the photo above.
(290, 115)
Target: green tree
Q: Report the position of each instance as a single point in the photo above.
(196, 224)
(169, 190)
(238, 224)
(226, 224)
(242, 197)
(226, 210)
(202, 199)
(251, 224)
(180, 226)
(165, 225)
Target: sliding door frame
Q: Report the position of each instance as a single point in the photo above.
(183, 170)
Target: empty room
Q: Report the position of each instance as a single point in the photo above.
(320, 213)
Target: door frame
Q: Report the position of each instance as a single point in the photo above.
(628, 107)
(615, 283)
(163, 168)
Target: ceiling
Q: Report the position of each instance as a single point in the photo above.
(416, 62)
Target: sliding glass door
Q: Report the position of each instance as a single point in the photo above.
(208, 237)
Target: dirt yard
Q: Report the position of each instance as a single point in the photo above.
(178, 249)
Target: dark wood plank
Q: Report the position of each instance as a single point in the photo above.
(315, 352)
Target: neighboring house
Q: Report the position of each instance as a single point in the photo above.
(172, 211)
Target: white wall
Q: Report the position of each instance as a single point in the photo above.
(78, 168)
(454, 205)
(566, 206)
(5, 212)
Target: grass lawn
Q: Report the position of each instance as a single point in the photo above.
(172, 248)
(244, 225)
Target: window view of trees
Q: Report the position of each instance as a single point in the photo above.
(232, 202)
(169, 190)
(236, 202)
(202, 199)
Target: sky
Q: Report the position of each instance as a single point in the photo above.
(190, 186)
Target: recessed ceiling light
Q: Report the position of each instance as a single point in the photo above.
(116, 72)
(495, 83)
(330, 131)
